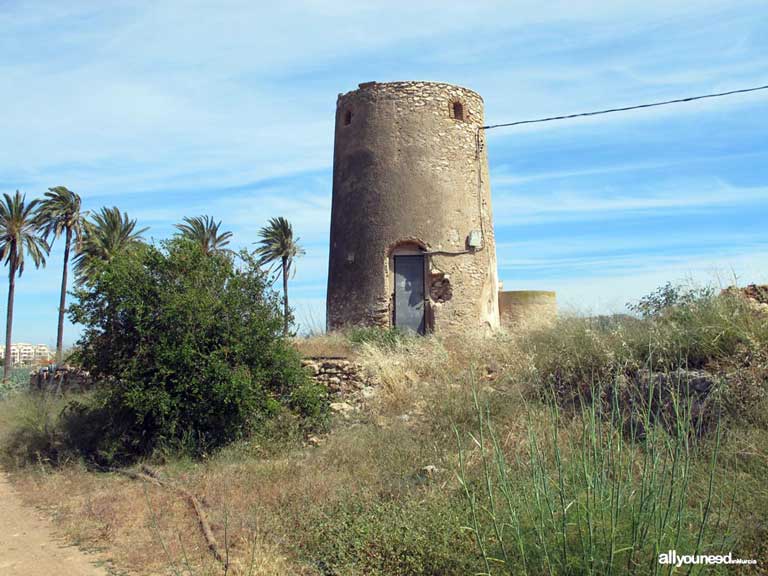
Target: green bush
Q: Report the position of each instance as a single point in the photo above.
(18, 379)
(311, 402)
(701, 328)
(680, 329)
(189, 349)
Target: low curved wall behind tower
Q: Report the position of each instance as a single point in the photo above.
(522, 309)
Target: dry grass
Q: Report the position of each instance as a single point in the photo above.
(429, 371)
(255, 505)
(126, 519)
(325, 345)
(272, 505)
(139, 527)
(150, 530)
(258, 505)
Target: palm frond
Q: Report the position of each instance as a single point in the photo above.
(108, 233)
(61, 210)
(277, 244)
(20, 233)
(204, 230)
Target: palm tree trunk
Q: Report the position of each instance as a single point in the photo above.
(63, 299)
(285, 296)
(9, 319)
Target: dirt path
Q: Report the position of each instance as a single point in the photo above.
(28, 547)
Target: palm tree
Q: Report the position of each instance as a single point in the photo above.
(205, 231)
(107, 234)
(19, 235)
(60, 214)
(278, 246)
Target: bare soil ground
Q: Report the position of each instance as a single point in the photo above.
(28, 547)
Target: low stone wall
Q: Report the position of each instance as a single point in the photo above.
(521, 309)
(64, 379)
(342, 377)
(756, 295)
(348, 383)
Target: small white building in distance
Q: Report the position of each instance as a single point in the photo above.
(25, 354)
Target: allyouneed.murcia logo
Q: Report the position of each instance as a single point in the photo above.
(672, 557)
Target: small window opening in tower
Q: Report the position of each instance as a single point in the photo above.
(458, 111)
(347, 117)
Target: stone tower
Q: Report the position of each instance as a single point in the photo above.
(412, 241)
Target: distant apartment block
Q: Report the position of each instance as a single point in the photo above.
(24, 354)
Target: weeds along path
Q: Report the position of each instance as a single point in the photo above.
(27, 544)
(148, 475)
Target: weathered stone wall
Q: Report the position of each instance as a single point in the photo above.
(756, 295)
(340, 376)
(64, 379)
(408, 172)
(520, 309)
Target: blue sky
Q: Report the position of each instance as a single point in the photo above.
(171, 108)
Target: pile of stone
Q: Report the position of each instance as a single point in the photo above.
(347, 382)
(672, 395)
(756, 295)
(60, 379)
(342, 377)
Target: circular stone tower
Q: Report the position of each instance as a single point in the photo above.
(412, 241)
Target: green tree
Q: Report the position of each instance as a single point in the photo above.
(19, 235)
(61, 213)
(278, 246)
(204, 230)
(107, 234)
(190, 346)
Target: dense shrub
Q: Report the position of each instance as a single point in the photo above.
(18, 379)
(679, 329)
(577, 353)
(188, 347)
(699, 328)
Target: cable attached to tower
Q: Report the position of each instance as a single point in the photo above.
(626, 108)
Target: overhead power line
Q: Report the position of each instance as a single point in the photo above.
(625, 108)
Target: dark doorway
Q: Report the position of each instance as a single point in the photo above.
(409, 292)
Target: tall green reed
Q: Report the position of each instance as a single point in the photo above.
(594, 491)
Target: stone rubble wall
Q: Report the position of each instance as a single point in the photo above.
(756, 295)
(342, 377)
(64, 379)
(347, 382)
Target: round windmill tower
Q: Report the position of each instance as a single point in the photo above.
(412, 243)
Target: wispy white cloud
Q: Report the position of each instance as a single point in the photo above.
(576, 246)
(563, 204)
(177, 108)
(504, 176)
(609, 293)
(168, 93)
(605, 264)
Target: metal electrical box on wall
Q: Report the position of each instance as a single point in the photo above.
(475, 240)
